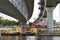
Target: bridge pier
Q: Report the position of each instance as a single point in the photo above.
(23, 25)
(50, 19)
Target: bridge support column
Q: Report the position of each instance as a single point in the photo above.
(23, 25)
(50, 19)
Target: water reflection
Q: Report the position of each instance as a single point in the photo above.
(8, 38)
(56, 38)
(17, 38)
(29, 38)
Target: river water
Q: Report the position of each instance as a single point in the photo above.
(29, 38)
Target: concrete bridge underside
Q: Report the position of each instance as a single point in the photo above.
(52, 3)
(49, 3)
(7, 8)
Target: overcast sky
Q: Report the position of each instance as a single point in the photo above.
(56, 13)
(36, 11)
(7, 17)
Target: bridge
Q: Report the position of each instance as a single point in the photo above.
(23, 10)
(8, 8)
(11, 8)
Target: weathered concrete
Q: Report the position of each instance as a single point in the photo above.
(7, 8)
(21, 6)
(52, 3)
(30, 5)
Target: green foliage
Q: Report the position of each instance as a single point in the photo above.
(13, 22)
(7, 22)
(0, 20)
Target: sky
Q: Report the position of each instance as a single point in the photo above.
(4, 16)
(56, 13)
(36, 12)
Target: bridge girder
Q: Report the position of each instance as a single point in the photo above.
(30, 5)
(7, 8)
(52, 3)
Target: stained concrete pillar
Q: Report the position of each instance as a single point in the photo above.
(50, 18)
(23, 25)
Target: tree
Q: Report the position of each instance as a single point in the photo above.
(6, 22)
(0, 20)
(13, 22)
